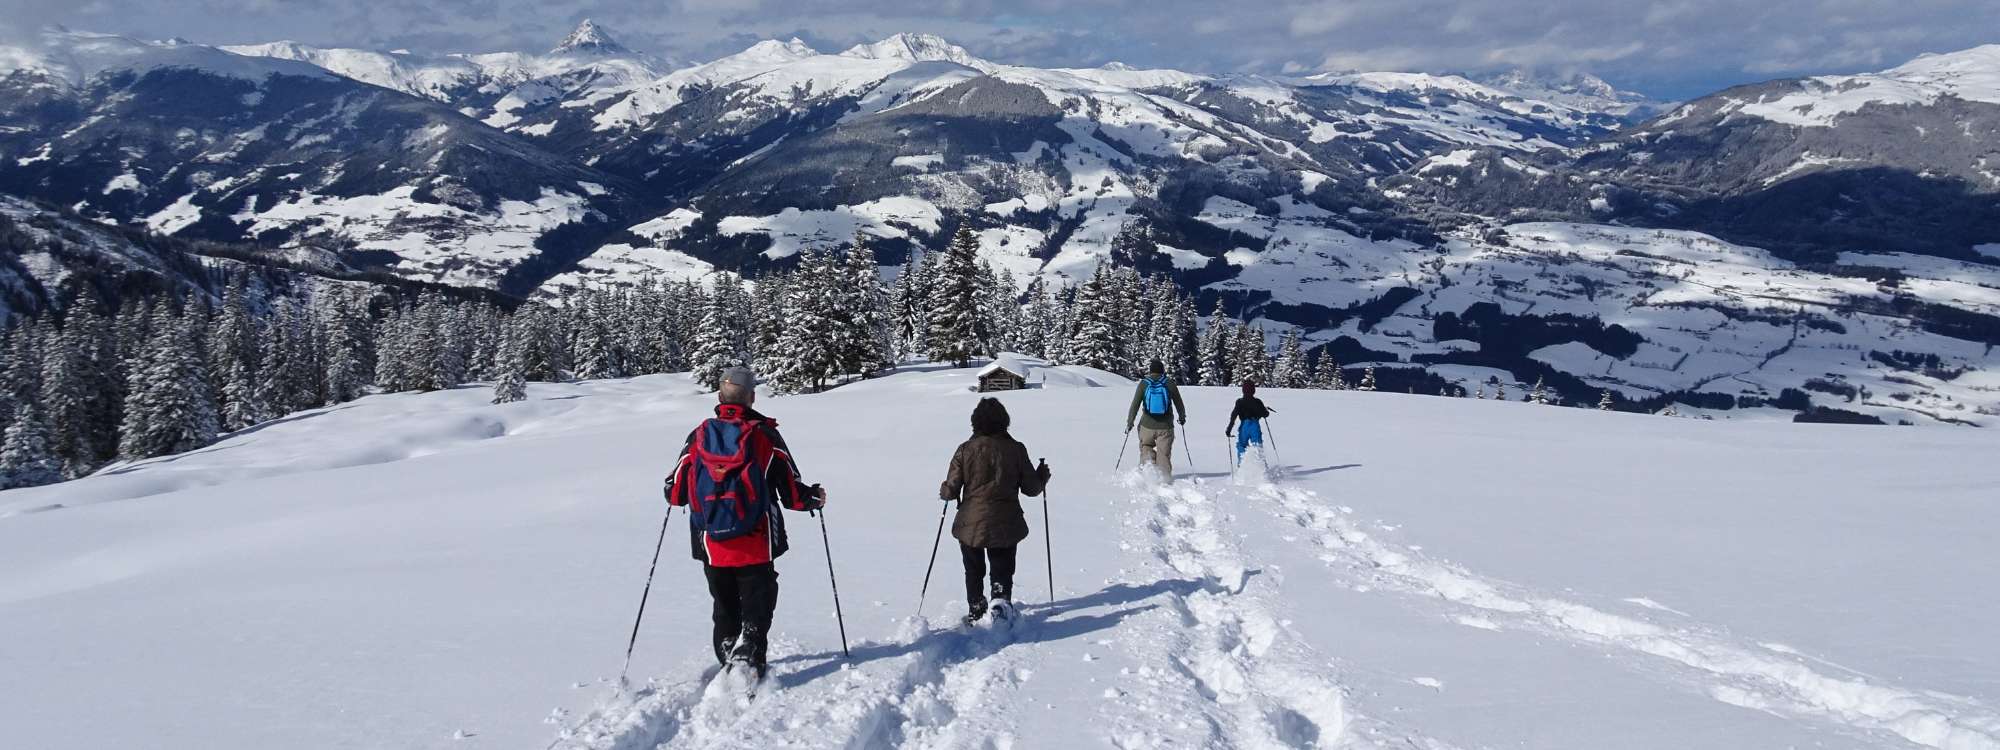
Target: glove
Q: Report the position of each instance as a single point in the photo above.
(1229, 433)
(1128, 428)
(820, 494)
(1043, 470)
(1183, 421)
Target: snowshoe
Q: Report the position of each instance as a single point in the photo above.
(975, 613)
(743, 677)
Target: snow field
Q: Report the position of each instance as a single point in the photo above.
(432, 571)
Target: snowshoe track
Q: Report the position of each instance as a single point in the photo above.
(929, 688)
(1728, 669)
(1248, 671)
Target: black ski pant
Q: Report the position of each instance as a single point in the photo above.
(976, 559)
(745, 599)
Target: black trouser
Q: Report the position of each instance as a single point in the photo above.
(975, 573)
(745, 598)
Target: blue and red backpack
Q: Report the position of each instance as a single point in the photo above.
(731, 494)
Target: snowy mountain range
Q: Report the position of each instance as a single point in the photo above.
(1381, 211)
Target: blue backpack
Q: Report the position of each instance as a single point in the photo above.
(1156, 396)
(731, 493)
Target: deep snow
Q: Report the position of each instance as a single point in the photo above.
(429, 570)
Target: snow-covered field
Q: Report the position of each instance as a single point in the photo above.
(433, 571)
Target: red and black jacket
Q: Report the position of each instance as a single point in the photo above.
(768, 542)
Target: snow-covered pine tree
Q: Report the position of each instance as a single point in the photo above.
(483, 341)
(865, 307)
(454, 337)
(595, 351)
(815, 330)
(1482, 392)
(1186, 324)
(1217, 351)
(1251, 359)
(61, 406)
(1326, 371)
(1003, 310)
(1540, 395)
(1604, 401)
(767, 331)
(232, 358)
(1289, 370)
(511, 383)
(954, 335)
(1162, 334)
(1094, 342)
(21, 374)
(27, 457)
(1367, 379)
(541, 352)
(79, 395)
(715, 347)
(308, 359)
(1060, 340)
(682, 307)
(1037, 317)
(171, 409)
(909, 306)
(1130, 340)
(392, 357)
(347, 342)
(1500, 390)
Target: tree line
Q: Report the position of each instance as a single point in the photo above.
(92, 384)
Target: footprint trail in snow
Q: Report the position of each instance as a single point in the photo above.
(1738, 672)
(1221, 667)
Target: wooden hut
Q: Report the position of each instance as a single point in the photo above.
(1005, 374)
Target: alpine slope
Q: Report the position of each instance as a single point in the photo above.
(1389, 571)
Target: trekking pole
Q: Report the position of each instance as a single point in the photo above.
(1048, 546)
(1274, 441)
(644, 595)
(1190, 454)
(1121, 450)
(933, 565)
(828, 546)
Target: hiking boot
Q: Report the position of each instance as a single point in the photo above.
(723, 649)
(975, 610)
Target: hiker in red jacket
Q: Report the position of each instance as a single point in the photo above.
(735, 474)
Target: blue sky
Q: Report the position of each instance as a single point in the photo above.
(1666, 48)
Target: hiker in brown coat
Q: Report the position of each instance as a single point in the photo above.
(989, 473)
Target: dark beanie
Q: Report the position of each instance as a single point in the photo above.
(1156, 367)
(1249, 387)
(989, 417)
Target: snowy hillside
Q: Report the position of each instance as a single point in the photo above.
(433, 571)
(1972, 75)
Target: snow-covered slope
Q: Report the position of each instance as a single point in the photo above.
(73, 58)
(1900, 160)
(199, 143)
(432, 571)
(535, 95)
(1972, 75)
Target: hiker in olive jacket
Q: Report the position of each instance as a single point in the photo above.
(988, 475)
(1159, 399)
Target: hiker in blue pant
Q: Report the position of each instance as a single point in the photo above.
(1252, 412)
